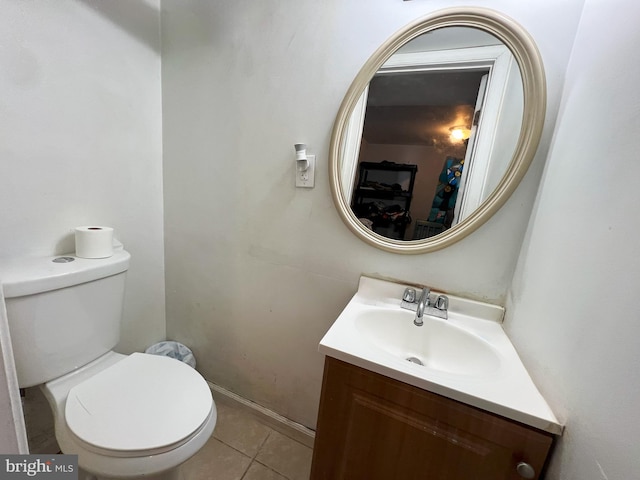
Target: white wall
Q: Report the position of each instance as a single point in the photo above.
(80, 138)
(573, 313)
(256, 270)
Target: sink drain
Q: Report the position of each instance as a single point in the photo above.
(415, 360)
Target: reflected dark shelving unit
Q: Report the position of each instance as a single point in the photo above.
(382, 196)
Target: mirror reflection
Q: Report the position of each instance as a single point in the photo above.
(432, 134)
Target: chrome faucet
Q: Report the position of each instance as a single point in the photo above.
(426, 304)
(423, 302)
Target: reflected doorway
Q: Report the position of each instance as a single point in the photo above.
(410, 167)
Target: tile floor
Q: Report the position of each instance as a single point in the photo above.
(241, 447)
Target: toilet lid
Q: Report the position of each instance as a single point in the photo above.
(143, 402)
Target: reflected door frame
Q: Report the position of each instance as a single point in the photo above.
(499, 62)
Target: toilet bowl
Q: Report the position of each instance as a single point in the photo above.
(125, 416)
(131, 416)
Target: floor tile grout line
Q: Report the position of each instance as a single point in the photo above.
(271, 429)
(263, 443)
(233, 448)
(255, 459)
(272, 469)
(259, 448)
(252, 457)
(246, 469)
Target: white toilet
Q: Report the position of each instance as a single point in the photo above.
(125, 416)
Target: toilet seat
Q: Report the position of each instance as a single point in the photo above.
(141, 405)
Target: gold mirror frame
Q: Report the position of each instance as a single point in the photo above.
(525, 52)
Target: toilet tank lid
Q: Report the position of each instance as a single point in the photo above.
(30, 275)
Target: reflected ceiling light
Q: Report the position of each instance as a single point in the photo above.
(459, 133)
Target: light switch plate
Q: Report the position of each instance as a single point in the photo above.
(306, 178)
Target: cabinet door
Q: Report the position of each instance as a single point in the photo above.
(371, 427)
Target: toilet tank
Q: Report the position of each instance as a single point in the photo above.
(63, 312)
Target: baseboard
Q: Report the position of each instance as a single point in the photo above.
(287, 427)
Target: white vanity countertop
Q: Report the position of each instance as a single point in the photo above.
(508, 391)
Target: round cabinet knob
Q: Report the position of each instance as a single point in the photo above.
(525, 470)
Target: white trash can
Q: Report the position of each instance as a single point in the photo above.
(174, 350)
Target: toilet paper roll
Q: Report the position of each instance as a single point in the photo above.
(94, 242)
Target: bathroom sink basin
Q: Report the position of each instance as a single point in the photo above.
(437, 345)
(467, 357)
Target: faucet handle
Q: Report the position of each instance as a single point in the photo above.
(442, 302)
(409, 295)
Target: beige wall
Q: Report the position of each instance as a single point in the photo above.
(80, 142)
(80, 139)
(258, 270)
(573, 309)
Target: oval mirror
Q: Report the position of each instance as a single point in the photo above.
(437, 130)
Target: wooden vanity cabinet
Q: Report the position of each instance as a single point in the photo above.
(371, 427)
